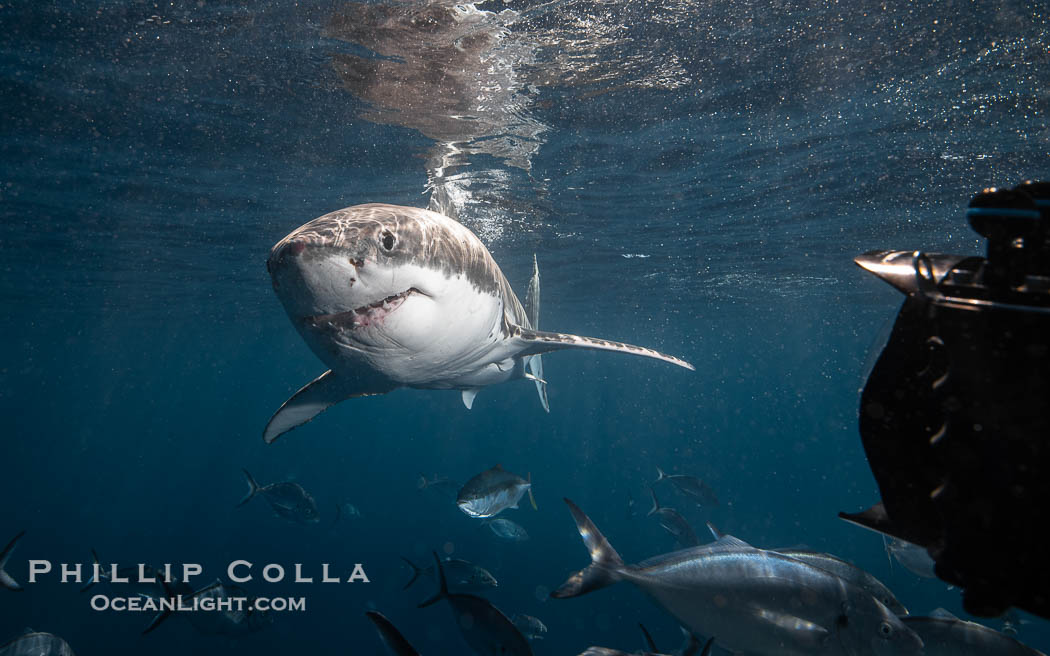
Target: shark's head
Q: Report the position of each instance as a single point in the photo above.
(384, 276)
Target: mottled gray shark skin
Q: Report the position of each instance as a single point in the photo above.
(390, 296)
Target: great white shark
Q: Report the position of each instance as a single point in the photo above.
(390, 296)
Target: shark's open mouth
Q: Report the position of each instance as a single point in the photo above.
(366, 315)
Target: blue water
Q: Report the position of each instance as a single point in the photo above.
(696, 177)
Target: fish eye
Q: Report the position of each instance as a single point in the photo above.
(387, 240)
(885, 630)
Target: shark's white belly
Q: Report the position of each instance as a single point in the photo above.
(450, 340)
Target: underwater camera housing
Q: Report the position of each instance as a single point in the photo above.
(955, 416)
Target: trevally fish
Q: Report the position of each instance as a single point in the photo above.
(240, 619)
(493, 491)
(461, 575)
(673, 523)
(395, 643)
(484, 627)
(289, 500)
(345, 509)
(389, 296)
(755, 601)
(507, 530)
(531, 627)
(850, 572)
(5, 578)
(692, 486)
(36, 643)
(842, 568)
(947, 635)
(439, 485)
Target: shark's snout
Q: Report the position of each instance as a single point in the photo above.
(286, 250)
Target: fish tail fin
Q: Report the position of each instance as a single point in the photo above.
(416, 571)
(656, 504)
(443, 590)
(605, 565)
(889, 553)
(422, 483)
(660, 475)
(5, 579)
(253, 489)
(95, 577)
(532, 499)
(648, 638)
(338, 513)
(707, 645)
(166, 610)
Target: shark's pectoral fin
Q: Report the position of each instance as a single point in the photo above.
(316, 397)
(534, 342)
(468, 397)
(532, 313)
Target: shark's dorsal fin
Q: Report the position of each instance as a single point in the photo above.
(317, 396)
(532, 315)
(534, 342)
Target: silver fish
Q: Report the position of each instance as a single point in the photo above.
(483, 626)
(946, 635)
(692, 486)
(289, 500)
(461, 574)
(493, 491)
(395, 643)
(673, 523)
(441, 486)
(531, 627)
(507, 530)
(5, 579)
(239, 618)
(842, 568)
(345, 509)
(755, 601)
(849, 572)
(36, 643)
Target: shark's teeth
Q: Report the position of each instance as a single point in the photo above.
(377, 311)
(387, 302)
(365, 315)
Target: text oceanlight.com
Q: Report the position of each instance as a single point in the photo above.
(189, 603)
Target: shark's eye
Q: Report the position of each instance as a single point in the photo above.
(387, 240)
